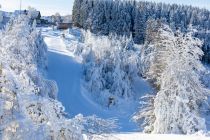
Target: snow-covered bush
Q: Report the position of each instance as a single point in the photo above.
(110, 63)
(172, 60)
(94, 125)
(76, 48)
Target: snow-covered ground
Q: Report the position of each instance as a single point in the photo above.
(140, 136)
(66, 70)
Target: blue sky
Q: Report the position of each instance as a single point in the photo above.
(49, 7)
(199, 3)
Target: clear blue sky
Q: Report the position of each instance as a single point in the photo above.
(49, 7)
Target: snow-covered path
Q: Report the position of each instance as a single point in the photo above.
(67, 73)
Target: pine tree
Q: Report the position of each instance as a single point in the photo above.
(139, 25)
(76, 13)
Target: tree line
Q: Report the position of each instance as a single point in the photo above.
(131, 18)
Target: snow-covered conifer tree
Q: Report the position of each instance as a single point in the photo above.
(1, 15)
(76, 12)
(139, 25)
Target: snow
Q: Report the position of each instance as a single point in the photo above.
(140, 136)
(66, 70)
(30, 106)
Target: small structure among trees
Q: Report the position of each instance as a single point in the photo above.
(64, 25)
